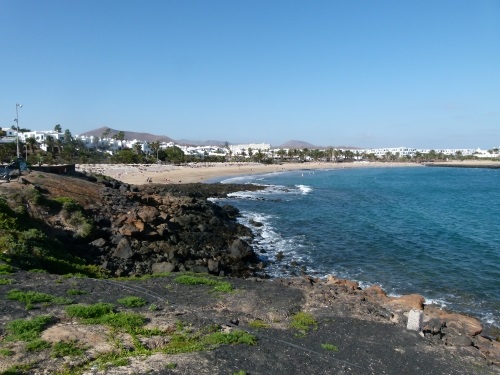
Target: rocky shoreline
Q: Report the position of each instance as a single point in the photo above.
(159, 229)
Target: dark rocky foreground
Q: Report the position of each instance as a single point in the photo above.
(159, 229)
(366, 337)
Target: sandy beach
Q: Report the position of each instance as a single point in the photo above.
(140, 174)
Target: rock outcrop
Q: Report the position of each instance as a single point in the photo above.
(147, 229)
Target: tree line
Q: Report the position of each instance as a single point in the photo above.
(68, 150)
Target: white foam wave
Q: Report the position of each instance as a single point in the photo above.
(270, 245)
(304, 189)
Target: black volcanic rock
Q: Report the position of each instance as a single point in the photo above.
(138, 229)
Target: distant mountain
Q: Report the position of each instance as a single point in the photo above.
(297, 145)
(128, 135)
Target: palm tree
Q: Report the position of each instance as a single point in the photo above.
(58, 128)
(59, 145)
(155, 147)
(138, 148)
(106, 133)
(120, 136)
(259, 156)
(49, 142)
(31, 142)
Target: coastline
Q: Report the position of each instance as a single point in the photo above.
(339, 306)
(206, 173)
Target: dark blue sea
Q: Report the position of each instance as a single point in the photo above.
(432, 231)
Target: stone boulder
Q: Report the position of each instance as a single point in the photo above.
(147, 213)
(123, 249)
(162, 267)
(407, 302)
(349, 284)
(240, 250)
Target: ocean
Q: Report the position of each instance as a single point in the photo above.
(432, 231)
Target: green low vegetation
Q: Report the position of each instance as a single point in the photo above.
(89, 311)
(70, 348)
(17, 369)
(193, 279)
(24, 243)
(330, 347)
(27, 330)
(37, 345)
(5, 281)
(303, 322)
(6, 352)
(30, 298)
(132, 301)
(258, 324)
(6, 269)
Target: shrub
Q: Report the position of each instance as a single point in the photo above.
(68, 204)
(132, 301)
(4, 281)
(219, 286)
(27, 330)
(31, 297)
(6, 352)
(89, 311)
(303, 322)
(63, 349)
(28, 297)
(235, 337)
(330, 347)
(37, 345)
(258, 324)
(6, 269)
(125, 321)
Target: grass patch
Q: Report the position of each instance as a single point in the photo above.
(30, 297)
(218, 286)
(6, 269)
(37, 270)
(64, 349)
(122, 320)
(17, 370)
(89, 311)
(258, 324)
(103, 313)
(132, 301)
(6, 352)
(303, 322)
(37, 345)
(235, 337)
(4, 281)
(241, 372)
(27, 330)
(330, 347)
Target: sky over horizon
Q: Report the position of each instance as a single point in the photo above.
(360, 73)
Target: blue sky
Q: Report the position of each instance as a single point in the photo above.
(360, 73)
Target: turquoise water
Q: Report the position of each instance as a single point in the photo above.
(432, 231)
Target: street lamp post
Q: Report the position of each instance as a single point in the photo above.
(17, 123)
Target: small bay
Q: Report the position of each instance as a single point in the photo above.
(432, 231)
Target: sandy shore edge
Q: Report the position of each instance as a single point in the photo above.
(140, 174)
